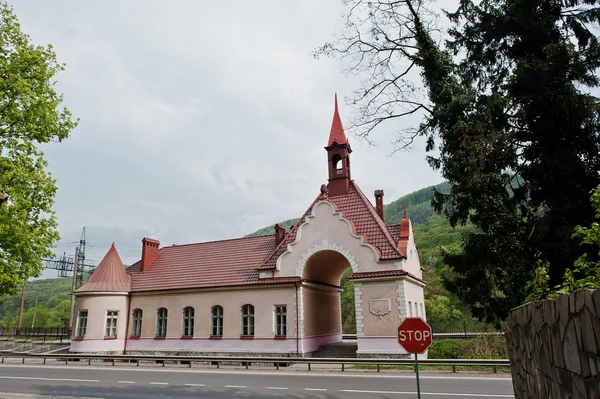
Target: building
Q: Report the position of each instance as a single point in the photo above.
(277, 294)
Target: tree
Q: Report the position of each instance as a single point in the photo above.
(61, 313)
(509, 111)
(29, 116)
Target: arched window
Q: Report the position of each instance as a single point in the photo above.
(136, 323)
(248, 320)
(216, 325)
(335, 162)
(161, 322)
(188, 322)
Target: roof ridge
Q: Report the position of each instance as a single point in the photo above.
(380, 222)
(218, 241)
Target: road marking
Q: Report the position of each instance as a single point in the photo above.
(234, 386)
(159, 383)
(277, 388)
(127, 382)
(47, 379)
(315, 389)
(195, 385)
(478, 395)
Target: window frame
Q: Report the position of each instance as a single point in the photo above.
(111, 323)
(280, 313)
(161, 322)
(81, 330)
(136, 322)
(187, 325)
(216, 321)
(247, 311)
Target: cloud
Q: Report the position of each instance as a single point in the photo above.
(199, 120)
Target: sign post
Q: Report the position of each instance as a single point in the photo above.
(414, 335)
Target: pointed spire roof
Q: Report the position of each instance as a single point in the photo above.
(337, 134)
(109, 276)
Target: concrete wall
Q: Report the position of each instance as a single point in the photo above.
(554, 347)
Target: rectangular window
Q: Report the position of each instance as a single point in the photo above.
(422, 313)
(82, 323)
(136, 323)
(281, 320)
(111, 323)
(409, 309)
(216, 321)
(416, 310)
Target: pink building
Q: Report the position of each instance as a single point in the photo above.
(276, 294)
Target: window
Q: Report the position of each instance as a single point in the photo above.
(188, 322)
(248, 320)
(136, 323)
(416, 310)
(161, 322)
(216, 327)
(409, 309)
(422, 313)
(82, 323)
(281, 320)
(111, 324)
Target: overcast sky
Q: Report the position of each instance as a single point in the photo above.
(199, 120)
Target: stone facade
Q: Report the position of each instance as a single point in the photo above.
(554, 347)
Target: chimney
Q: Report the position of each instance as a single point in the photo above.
(149, 252)
(279, 234)
(379, 203)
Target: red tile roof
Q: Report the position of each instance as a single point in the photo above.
(238, 261)
(394, 230)
(109, 276)
(364, 218)
(384, 273)
(208, 264)
(337, 134)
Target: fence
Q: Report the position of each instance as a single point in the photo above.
(276, 362)
(35, 339)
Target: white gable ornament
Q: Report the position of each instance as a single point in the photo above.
(379, 307)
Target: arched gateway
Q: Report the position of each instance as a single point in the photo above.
(275, 295)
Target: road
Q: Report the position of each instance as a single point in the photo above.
(142, 383)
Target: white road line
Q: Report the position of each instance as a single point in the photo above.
(234, 386)
(159, 383)
(47, 379)
(196, 385)
(127, 382)
(315, 389)
(478, 395)
(277, 388)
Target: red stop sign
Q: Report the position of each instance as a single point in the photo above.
(414, 335)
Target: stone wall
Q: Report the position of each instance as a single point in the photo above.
(554, 347)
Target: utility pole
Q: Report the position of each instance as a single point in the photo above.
(74, 286)
(21, 308)
(34, 312)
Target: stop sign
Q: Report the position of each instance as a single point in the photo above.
(414, 335)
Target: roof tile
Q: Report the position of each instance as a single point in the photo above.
(109, 276)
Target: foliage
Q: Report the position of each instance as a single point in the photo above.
(510, 113)
(29, 116)
(481, 347)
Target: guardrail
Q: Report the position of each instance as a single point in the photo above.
(275, 361)
(446, 335)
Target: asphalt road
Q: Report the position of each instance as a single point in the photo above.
(123, 382)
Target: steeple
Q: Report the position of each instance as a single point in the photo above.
(337, 134)
(338, 156)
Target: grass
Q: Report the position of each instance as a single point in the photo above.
(500, 369)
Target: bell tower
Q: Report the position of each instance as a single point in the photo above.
(338, 157)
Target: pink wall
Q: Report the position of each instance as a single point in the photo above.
(377, 291)
(262, 298)
(321, 311)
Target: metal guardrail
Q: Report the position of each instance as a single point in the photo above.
(276, 361)
(445, 335)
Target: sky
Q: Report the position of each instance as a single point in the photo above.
(199, 121)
